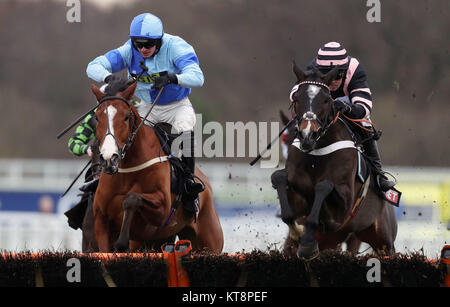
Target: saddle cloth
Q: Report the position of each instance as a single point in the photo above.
(364, 171)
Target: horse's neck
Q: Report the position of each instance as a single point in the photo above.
(337, 132)
(145, 146)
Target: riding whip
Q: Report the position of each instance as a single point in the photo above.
(274, 140)
(133, 79)
(153, 104)
(76, 178)
(142, 122)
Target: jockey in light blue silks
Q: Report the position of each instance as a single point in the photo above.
(172, 63)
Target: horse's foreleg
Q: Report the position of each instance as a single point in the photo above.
(136, 246)
(353, 243)
(102, 234)
(88, 240)
(382, 233)
(130, 205)
(308, 248)
(290, 245)
(280, 183)
(208, 233)
(279, 180)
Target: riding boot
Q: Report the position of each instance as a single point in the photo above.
(371, 150)
(75, 215)
(192, 187)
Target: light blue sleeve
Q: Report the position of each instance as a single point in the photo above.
(186, 61)
(109, 63)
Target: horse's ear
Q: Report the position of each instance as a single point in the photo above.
(129, 92)
(298, 73)
(330, 76)
(98, 94)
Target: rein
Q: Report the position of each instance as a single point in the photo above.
(325, 127)
(122, 150)
(132, 134)
(312, 116)
(357, 121)
(131, 81)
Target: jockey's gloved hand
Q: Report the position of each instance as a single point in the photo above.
(164, 79)
(116, 83)
(356, 111)
(111, 78)
(342, 106)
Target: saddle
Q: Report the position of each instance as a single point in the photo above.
(178, 169)
(365, 164)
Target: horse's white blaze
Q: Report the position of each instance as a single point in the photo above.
(307, 130)
(109, 147)
(312, 92)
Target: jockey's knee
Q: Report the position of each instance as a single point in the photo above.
(183, 125)
(184, 120)
(184, 144)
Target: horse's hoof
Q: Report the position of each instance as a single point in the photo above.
(308, 252)
(121, 247)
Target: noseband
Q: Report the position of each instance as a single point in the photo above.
(131, 135)
(311, 116)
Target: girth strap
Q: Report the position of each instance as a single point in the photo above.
(327, 149)
(360, 200)
(143, 165)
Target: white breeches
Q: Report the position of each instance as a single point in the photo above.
(180, 114)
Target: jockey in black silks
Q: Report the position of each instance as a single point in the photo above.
(352, 96)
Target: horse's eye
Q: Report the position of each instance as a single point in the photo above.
(127, 117)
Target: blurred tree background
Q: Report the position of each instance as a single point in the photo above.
(246, 48)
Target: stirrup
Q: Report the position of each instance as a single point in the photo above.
(193, 187)
(383, 182)
(197, 208)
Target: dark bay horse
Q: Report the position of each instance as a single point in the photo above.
(322, 187)
(352, 242)
(134, 199)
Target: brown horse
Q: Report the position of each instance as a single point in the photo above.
(352, 242)
(322, 184)
(133, 200)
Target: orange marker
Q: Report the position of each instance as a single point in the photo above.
(173, 253)
(445, 258)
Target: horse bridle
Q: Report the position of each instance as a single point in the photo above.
(133, 129)
(310, 116)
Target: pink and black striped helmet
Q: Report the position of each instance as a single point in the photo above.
(332, 54)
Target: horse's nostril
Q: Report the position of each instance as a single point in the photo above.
(114, 159)
(102, 161)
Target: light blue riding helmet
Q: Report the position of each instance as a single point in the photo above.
(146, 26)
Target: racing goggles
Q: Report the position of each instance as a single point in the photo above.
(144, 43)
(341, 73)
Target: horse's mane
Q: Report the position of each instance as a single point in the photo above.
(313, 73)
(115, 86)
